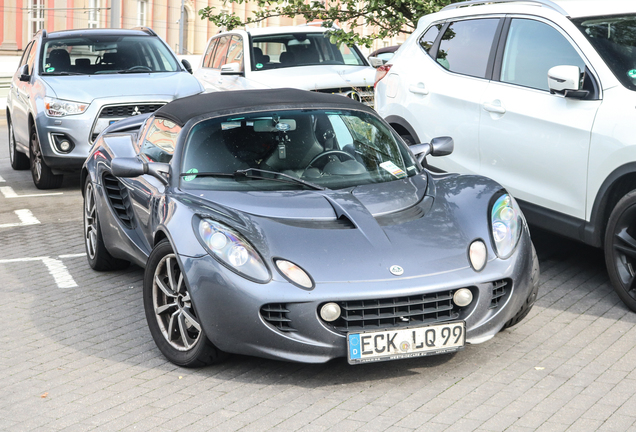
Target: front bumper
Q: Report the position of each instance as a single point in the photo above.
(229, 306)
(82, 129)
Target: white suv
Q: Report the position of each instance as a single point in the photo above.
(300, 57)
(540, 96)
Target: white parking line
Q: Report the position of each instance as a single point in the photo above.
(26, 218)
(8, 192)
(56, 268)
(2, 180)
(77, 255)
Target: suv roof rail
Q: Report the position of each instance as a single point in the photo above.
(145, 29)
(546, 3)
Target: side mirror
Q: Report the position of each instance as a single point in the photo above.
(24, 73)
(440, 146)
(232, 69)
(186, 64)
(376, 61)
(134, 167)
(566, 81)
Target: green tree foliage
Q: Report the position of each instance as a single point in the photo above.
(389, 17)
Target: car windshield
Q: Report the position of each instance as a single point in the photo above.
(106, 55)
(301, 49)
(301, 149)
(614, 38)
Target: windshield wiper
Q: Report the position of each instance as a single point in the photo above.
(63, 73)
(246, 173)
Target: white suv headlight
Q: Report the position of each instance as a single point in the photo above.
(60, 108)
(506, 224)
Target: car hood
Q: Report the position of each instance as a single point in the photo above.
(155, 86)
(357, 234)
(315, 77)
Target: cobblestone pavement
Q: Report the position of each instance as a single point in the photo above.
(76, 354)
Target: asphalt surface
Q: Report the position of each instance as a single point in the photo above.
(76, 354)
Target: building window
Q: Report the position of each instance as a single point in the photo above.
(142, 12)
(93, 13)
(36, 16)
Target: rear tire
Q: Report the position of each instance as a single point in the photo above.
(527, 305)
(19, 161)
(43, 177)
(98, 256)
(620, 249)
(171, 315)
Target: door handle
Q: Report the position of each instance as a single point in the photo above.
(494, 107)
(418, 89)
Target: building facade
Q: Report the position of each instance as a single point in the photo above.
(21, 19)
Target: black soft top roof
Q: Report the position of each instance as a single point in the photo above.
(184, 109)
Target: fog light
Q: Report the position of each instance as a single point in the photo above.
(462, 297)
(477, 254)
(330, 312)
(65, 146)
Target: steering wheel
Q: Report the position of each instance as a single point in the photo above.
(139, 67)
(328, 153)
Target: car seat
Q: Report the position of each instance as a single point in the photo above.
(60, 60)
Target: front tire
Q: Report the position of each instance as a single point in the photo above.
(620, 249)
(98, 256)
(43, 177)
(171, 315)
(19, 161)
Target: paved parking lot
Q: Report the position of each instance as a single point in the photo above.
(76, 354)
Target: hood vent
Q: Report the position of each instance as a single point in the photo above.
(406, 215)
(119, 201)
(342, 222)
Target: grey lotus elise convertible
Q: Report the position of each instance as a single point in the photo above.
(296, 225)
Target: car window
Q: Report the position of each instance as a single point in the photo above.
(301, 49)
(428, 38)
(103, 54)
(332, 148)
(221, 52)
(160, 140)
(25, 54)
(614, 38)
(532, 48)
(209, 54)
(235, 51)
(466, 45)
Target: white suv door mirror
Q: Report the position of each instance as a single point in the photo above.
(566, 81)
(231, 69)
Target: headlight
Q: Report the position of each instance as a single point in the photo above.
(61, 108)
(506, 225)
(232, 250)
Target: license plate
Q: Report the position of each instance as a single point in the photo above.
(385, 345)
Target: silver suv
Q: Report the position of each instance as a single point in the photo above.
(71, 85)
(538, 95)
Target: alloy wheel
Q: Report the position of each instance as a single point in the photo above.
(11, 144)
(173, 307)
(90, 221)
(36, 156)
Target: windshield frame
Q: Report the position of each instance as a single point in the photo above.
(181, 170)
(611, 59)
(160, 54)
(300, 37)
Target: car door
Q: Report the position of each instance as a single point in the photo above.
(533, 142)
(20, 97)
(446, 95)
(147, 192)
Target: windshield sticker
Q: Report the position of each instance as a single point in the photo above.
(50, 69)
(191, 177)
(632, 73)
(393, 169)
(259, 65)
